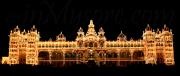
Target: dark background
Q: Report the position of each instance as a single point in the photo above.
(52, 17)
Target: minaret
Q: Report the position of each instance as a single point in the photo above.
(91, 30)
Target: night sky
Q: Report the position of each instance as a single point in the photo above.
(52, 17)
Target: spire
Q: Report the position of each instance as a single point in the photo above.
(165, 28)
(61, 33)
(91, 24)
(148, 28)
(91, 30)
(91, 21)
(101, 29)
(16, 29)
(131, 39)
(158, 31)
(24, 30)
(170, 30)
(11, 31)
(50, 39)
(33, 28)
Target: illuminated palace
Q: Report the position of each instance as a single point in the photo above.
(155, 47)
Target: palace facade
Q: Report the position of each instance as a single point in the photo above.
(156, 47)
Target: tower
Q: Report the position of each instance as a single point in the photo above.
(168, 51)
(101, 36)
(91, 31)
(14, 45)
(80, 37)
(91, 38)
(149, 41)
(32, 42)
(159, 47)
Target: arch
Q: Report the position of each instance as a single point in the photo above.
(95, 44)
(43, 55)
(101, 54)
(111, 54)
(90, 44)
(125, 54)
(139, 54)
(108, 55)
(70, 55)
(5, 62)
(56, 55)
(160, 58)
(79, 54)
(74, 55)
(86, 45)
(92, 54)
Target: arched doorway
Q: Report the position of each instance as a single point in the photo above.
(125, 55)
(43, 57)
(138, 55)
(160, 58)
(57, 58)
(91, 57)
(22, 56)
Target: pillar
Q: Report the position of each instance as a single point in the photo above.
(64, 58)
(50, 55)
(118, 57)
(104, 57)
(77, 62)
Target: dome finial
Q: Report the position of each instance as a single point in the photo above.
(33, 26)
(91, 21)
(91, 24)
(121, 32)
(17, 27)
(148, 28)
(80, 29)
(101, 29)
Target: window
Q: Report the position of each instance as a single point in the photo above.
(91, 44)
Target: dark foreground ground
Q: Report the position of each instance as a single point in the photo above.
(88, 70)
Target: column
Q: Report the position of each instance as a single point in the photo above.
(104, 54)
(118, 57)
(97, 58)
(131, 52)
(64, 57)
(50, 55)
(77, 62)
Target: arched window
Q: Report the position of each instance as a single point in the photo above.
(91, 44)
